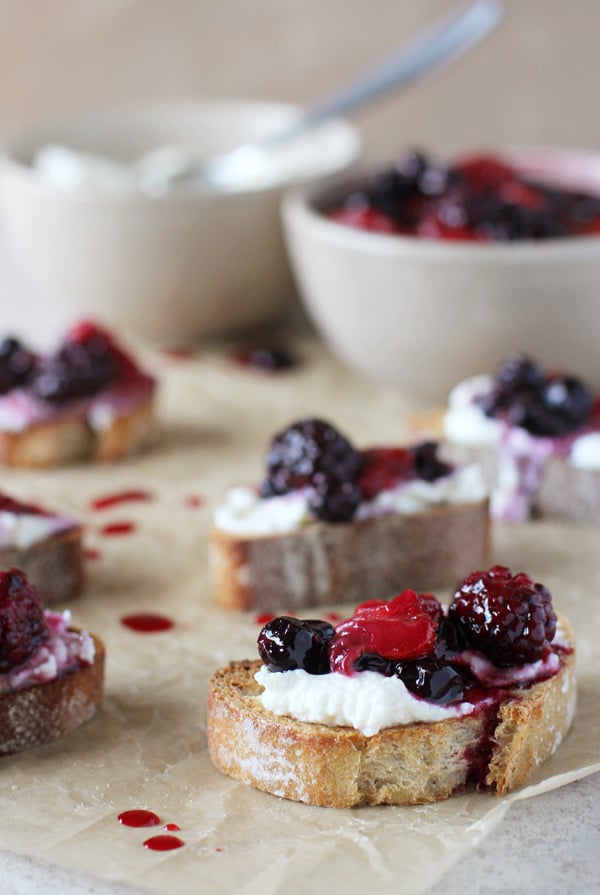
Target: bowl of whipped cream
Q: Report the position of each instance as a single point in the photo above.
(98, 220)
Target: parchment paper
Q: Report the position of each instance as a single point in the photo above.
(147, 747)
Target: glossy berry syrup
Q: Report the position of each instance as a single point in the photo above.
(112, 500)
(147, 622)
(402, 629)
(117, 529)
(138, 817)
(163, 842)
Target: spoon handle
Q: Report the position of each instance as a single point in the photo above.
(444, 41)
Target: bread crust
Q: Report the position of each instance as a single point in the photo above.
(339, 767)
(71, 439)
(44, 712)
(323, 563)
(54, 565)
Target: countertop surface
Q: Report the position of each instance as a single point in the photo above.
(547, 845)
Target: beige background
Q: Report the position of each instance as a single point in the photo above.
(535, 80)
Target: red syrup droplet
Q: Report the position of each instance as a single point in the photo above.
(138, 817)
(112, 500)
(172, 827)
(163, 843)
(193, 501)
(333, 617)
(265, 359)
(91, 553)
(115, 529)
(263, 618)
(147, 622)
(179, 352)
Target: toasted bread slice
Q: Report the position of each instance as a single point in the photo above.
(44, 712)
(70, 439)
(340, 767)
(325, 563)
(563, 492)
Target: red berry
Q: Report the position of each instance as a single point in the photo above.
(484, 172)
(22, 623)
(366, 219)
(404, 628)
(508, 618)
(383, 469)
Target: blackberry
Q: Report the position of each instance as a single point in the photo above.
(286, 643)
(79, 369)
(22, 623)
(543, 405)
(17, 365)
(562, 405)
(508, 618)
(312, 454)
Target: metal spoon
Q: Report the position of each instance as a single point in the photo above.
(250, 166)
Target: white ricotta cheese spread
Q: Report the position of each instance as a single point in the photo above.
(22, 530)
(243, 512)
(367, 701)
(63, 651)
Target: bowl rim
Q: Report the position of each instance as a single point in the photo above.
(12, 166)
(299, 210)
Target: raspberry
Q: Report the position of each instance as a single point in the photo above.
(312, 454)
(286, 643)
(22, 623)
(508, 618)
(484, 173)
(383, 469)
(402, 629)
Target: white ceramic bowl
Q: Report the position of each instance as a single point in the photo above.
(175, 266)
(423, 314)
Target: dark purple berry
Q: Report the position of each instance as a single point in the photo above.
(451, 640)
(80, 369)
(548, 406)
(311, 454)
(561, 406)
(17, 365)
(431, 679)
(508, 618)
(286, 643)
(332, 500)
(22, 623)
(427, 464)
(374, 662)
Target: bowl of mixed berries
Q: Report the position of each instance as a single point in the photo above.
(423, 272)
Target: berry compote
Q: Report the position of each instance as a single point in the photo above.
(312, 455)
(545, 404)
(88, 361)
(497, 628)
(477, 199)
